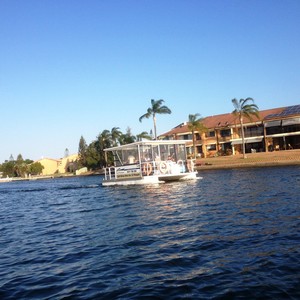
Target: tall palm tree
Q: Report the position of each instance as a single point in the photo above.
(244, 108)
(156, 108)
(195, 124)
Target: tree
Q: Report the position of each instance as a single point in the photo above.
(82, 152)
(20, 159)
(143, 135)
(66, 152)
(21, 168)
(127, 138)
(156, 108)
(16, 168)
(195, 124)
(35, 168)
(244, 108)
(8, 169)
(94, 158)
(28, 161)
(115, 135)
(103, 141)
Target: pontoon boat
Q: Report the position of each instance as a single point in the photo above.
(148, 162)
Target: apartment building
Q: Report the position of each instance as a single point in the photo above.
(275, 129)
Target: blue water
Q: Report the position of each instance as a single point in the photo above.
(235, 234)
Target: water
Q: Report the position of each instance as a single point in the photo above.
(232, 235)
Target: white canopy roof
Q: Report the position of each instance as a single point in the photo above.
(149, 143)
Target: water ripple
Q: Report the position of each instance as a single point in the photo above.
(232, 235)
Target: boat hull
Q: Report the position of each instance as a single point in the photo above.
(178, 177)
(155, 179)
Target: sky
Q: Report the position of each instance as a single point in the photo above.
(72, 68)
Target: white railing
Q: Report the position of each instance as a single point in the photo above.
(148, 168)
(108, 174)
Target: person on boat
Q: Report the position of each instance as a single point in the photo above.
(170, 158)
(146, 158)
(131, 159)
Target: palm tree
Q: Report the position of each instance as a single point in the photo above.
(195, 124)
(143, 135)
(127, 138)
(103, 141)
(115, 135)
(156, 108)
(244, 108)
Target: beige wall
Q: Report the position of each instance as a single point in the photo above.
(61, 166)
(50, 165)
(68, 162)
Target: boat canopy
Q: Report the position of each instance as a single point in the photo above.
(151, 143)
(152, 150)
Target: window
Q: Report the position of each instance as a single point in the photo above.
(225, 132)
(186, 137)
(273, 130)
(254, 131)
(210, 134)
(283, 129)
(211, 147)
(291, 128)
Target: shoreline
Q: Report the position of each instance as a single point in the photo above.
(260, 159)
(253, 160)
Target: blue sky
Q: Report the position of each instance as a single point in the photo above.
(72, 68)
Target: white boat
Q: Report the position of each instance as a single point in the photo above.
(148, 162)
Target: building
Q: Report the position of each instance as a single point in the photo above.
(59, 166)
(275, 129)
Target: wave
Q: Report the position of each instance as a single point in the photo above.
(28, 190)
(72, 187)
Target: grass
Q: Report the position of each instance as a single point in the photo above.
(284, 157)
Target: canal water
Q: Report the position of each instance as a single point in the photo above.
(235, 234)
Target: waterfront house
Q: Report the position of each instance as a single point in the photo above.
(275, 129)
(59, 166)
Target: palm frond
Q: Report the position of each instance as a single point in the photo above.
(163, 110)
(235, 104)
(147, 115)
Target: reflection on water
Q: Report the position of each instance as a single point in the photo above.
(233, 234)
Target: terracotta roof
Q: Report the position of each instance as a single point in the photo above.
(229, 119)
(219, 120)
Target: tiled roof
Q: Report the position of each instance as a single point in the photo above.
(219, 120)
(229, 119)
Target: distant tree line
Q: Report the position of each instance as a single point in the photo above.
(20, 167)
(92, 156)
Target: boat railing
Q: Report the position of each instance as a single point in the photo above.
(166, 167)
(190, 165)
(149, 168)
(109, 173)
